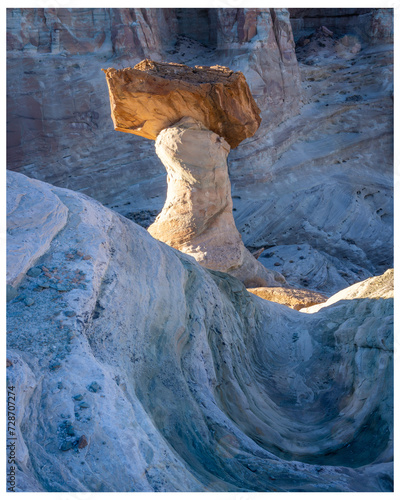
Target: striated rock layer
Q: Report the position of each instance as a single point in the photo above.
(197, 216)
(58, 123)
(153, 96)
(138, 370)
(303, 179)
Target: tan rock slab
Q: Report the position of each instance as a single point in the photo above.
(295, 298)
(153, 96)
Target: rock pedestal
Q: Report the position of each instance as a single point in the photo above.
(197, 216)
(196, 115)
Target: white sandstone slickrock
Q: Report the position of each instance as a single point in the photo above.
(34, 216)
(181, 380)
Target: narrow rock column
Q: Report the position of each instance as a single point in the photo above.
(197, 217)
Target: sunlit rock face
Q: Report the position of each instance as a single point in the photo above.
(138, 370)
(295, 298)
(153, 96)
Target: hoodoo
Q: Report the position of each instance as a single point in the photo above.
(195, 115)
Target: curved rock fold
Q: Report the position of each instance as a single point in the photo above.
(181, 380)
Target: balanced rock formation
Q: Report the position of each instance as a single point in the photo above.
(136, 369)
(64, 136)
(196, 115)
(153, 96)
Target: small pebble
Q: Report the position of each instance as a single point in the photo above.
(94, 387)
(277, 264)
(84, 405)
(67, 445)
(86, 257)
(34, 272)
(78, 397)
(82, 443)
(80, 254)
(55, 366)
(70, 430)
(29, 301)
(70, 314)
(9, 363)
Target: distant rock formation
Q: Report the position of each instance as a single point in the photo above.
(153, 96)
(194, 113)
(136, 369)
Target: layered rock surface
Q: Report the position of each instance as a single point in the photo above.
(315, 177)
(303, 179)
(153, 96)
(139, 370)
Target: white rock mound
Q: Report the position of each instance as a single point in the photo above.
(136, 369)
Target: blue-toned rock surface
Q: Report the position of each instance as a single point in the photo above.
(200, 385)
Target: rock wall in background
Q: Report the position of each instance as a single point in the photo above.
(317, 173)
(59, 126)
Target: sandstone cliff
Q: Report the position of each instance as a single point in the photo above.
(138, 370)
